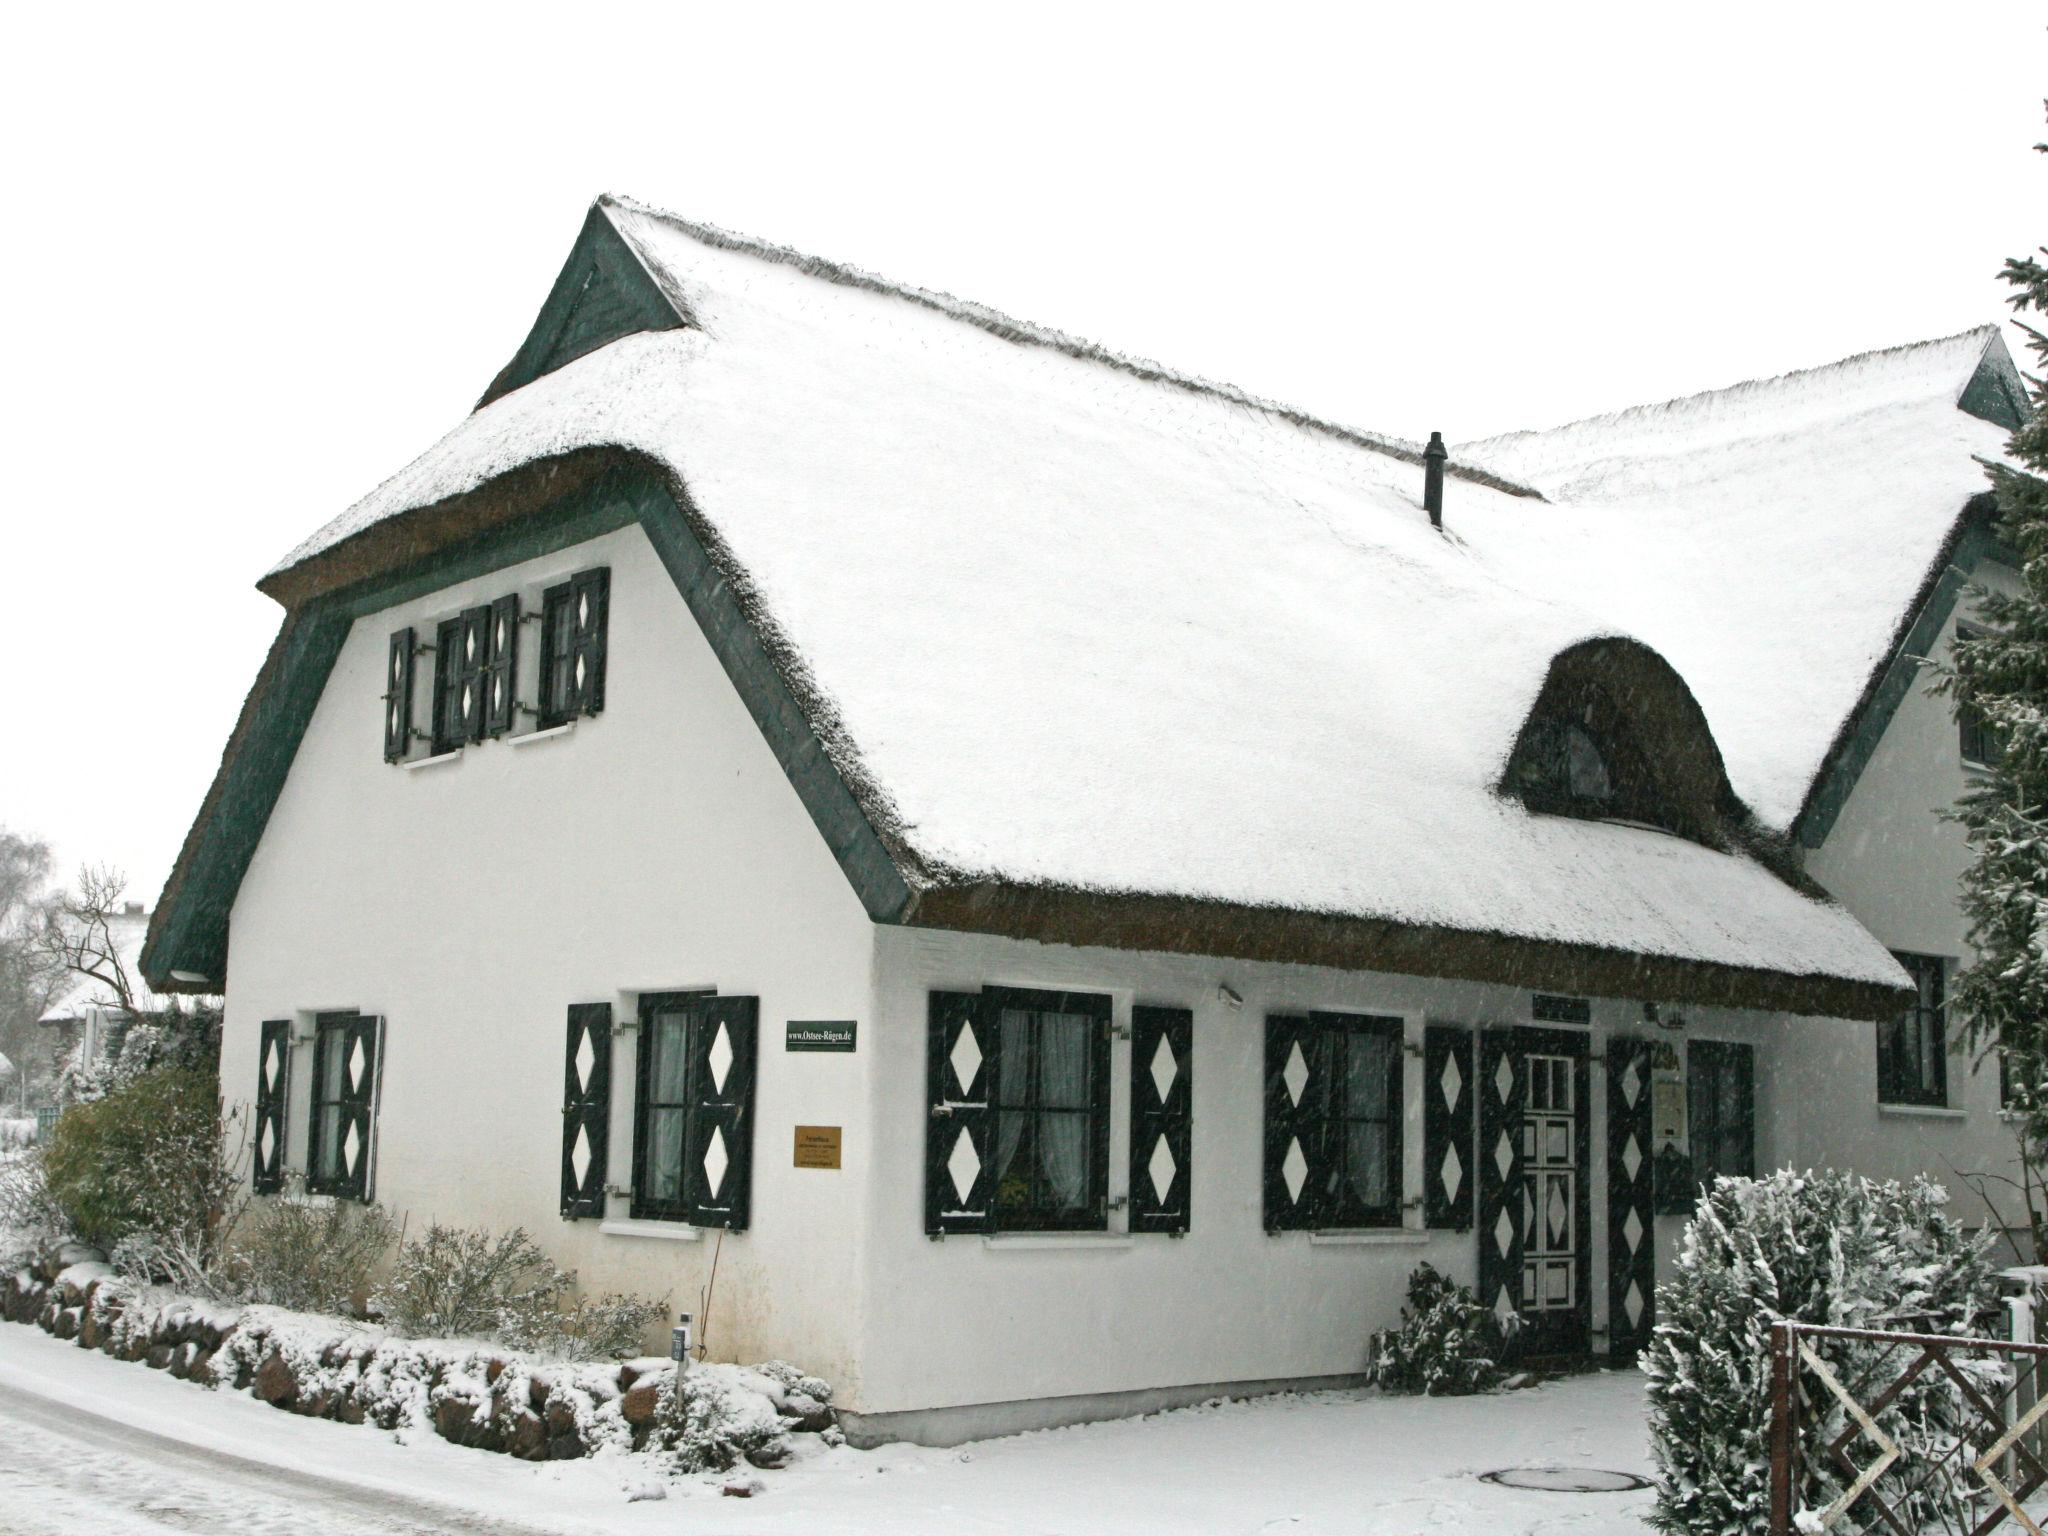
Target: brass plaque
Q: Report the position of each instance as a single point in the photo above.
(817, 1146)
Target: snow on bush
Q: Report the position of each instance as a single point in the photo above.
(456, 1282)
(30, 1221)
(1829, 1248)
(16, 1134)
(1447, 1345)
(311, 1257)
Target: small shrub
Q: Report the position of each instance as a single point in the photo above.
(463, 1283)
(591, 1328)
(311, 1257)
(30, 1220)
(713, 1415)
(1827, 1248)
(1447, 1345)
(151, 1161)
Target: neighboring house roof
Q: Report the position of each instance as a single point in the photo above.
(1766, 538)
(77, 992)
(1070, 625)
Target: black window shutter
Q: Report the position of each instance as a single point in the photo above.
(1447, 1096)
(1162, 1118)
(501, 666)
(590, 602)
(398, 696)
(360, 1047)
(1295, 1156)
(273, 1086)
(718, 1166)
(1502, 1089)
(475, 640)
(586, 1109)
(959, 1151)
(1631, 1206)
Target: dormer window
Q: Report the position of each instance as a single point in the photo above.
(1581, 751)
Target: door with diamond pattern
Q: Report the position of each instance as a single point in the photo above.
(1556, 1299)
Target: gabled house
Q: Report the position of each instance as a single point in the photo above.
(1052, 878)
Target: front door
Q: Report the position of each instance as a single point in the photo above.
(1556, 1302)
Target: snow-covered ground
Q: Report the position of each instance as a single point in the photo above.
(89, 1444)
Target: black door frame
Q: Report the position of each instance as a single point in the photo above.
(1567, 1332)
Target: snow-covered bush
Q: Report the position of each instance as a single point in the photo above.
(469, 1283)
(716, 1415)
(1829, 1248)
(457, 1282)
(589, 1328)
(156, 1163)
(30, 1220)
(1447, 1344)
(311, 1257)
(16, 1134)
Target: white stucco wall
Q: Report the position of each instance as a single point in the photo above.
(656, 846)
(1893, 861)
(976, 1320)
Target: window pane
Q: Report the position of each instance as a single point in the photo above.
(1365, 1164)
(665, 1155)
(330, 1143)
(331, 1063)
(668, 1065)
(1365, 1076)
(1045, 1096)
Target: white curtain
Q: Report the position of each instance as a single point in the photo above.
(667, 1074)
(1063, 1061)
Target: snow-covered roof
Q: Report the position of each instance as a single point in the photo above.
(1081, 625)
(1766, 538)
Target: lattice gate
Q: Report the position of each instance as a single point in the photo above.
(1905, 1433)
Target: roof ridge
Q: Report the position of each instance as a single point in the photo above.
(1030, 333)
(1650, 409)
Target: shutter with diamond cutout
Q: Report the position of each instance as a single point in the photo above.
(501, 667)
(360, 1053)
(718, 1164)
(474, 637)
(589, 603)
(586, 1109)
(1502, 1088)
(1631, 1206)
(1294, 1151)
(398, 696)
(1162, 1118)
(959, 1157)
(273, 1086)
(1447, 1095)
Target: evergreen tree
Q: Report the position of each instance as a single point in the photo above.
(2001, 678)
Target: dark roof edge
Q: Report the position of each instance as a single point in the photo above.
(1970, 539)
(1030, 334)
(1182, 925)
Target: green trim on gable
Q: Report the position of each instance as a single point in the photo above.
(1830, 793)
(190, 932)
(603, 292)
(1995, 393)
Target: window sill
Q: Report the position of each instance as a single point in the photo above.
(547, 733)
(667, 1231)
(1370, 1237)
(1050, 1240)
(1923, 1111)
(434, 761)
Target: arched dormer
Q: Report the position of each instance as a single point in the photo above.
(1615, 735)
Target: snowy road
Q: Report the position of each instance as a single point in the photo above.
(93, 1447)
(64, 1470)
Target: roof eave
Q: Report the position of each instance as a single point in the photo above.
(1183, 925)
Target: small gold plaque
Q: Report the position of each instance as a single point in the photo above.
(817, 1146)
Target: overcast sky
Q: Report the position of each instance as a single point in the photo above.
(259, 262)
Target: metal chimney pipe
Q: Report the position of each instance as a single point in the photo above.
(1433, 458)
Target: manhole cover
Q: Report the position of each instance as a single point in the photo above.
(1566, 1479)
